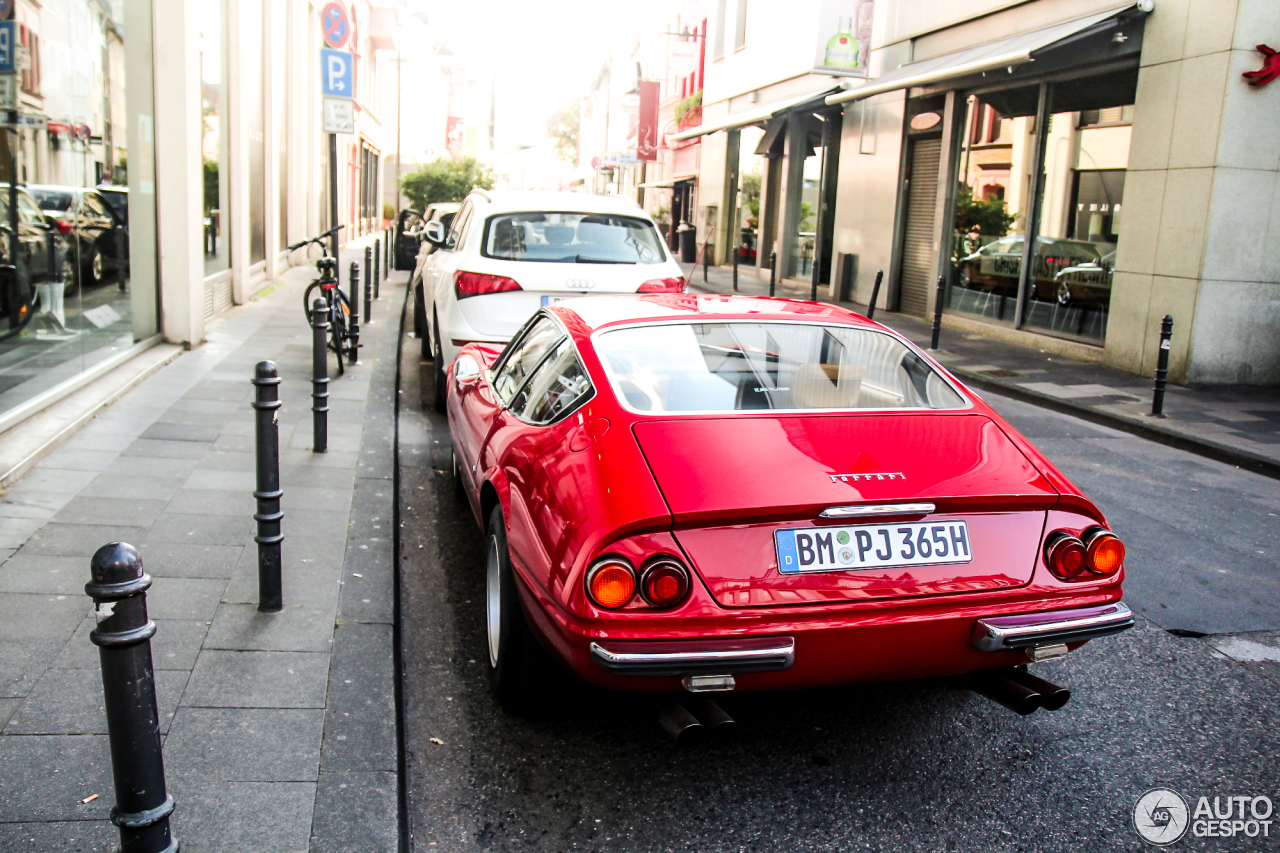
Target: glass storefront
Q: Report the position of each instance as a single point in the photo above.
(213, 131)
(1065, 182)
(76, 221)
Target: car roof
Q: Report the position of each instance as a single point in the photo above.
(591, 313)
(512, 201)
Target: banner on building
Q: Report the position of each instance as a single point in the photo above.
(647, 122)
(455, 129)
(844, 37)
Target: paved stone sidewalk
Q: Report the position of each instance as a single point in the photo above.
(280, 729)
(1240, 425)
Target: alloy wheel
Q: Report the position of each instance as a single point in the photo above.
(493, 599)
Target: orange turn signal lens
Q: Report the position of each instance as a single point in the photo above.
(611, 583)
(1105, 553)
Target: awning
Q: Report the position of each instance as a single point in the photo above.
(659, 185)
(1015, 50)
(754, 115)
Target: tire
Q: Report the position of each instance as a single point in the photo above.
(457, 473)
(97, 270)
(311, 294)
(338, 335)
(70, 276)
(420, 321)
(517, 664)
(438, 356)
(1064, 294)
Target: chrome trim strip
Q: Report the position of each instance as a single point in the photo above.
(1006, 633)
(878, 509)
(779, 656)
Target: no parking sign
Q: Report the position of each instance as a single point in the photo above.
(333, 23)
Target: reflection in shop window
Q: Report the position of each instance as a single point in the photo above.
(213, 131)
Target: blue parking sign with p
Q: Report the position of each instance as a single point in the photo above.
(8, 48)
(337, 74)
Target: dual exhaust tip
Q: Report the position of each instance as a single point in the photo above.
(1019, 690)
(686, 729)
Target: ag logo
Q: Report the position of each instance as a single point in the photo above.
(1161, 816)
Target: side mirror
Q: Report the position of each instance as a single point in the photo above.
(466, 369)
(435, 233)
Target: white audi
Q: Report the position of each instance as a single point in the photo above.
(509, 252)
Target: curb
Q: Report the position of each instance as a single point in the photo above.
(1243, 459)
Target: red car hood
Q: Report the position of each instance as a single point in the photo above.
(731, 481)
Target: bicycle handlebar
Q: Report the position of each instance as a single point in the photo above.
(319, 238)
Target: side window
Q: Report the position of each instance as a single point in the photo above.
(28, 211)
(458, 232)
(94, 204)
(517, 366)
(556, 389)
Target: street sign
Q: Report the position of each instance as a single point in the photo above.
(8, 52)
(334, 24)
(28, 120)
(337, 74)
(339, 115)
(628, 158)
(6, 10)
(8, 92)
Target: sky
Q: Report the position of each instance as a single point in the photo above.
(543, 54)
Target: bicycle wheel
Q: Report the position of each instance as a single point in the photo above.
(338, 330)
(312, 293)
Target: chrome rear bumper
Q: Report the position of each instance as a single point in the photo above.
(1005, 633)
(692, 657)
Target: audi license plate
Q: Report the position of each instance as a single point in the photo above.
(871, 546)
(547, 300)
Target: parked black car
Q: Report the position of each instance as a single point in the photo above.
(118, 198)
(33, 236)
(97, 239)
(408, 225)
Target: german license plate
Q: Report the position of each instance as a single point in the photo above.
(871, 546)
(547, 300)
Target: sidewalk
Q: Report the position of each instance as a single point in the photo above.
(1237, 425)
(280, 729)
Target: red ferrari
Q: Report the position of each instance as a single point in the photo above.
(717, 493)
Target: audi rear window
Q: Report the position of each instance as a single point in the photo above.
(572, 238)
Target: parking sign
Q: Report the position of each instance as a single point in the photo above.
(337, 74)
(8, 52)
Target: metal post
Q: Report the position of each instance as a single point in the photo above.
(266, 381)
(937, 313)
(736, 253)
(354, 356)
(377, 269)
(773, 265)
(122, 257)
(123, 637)
(706, 259)
(333, 193)
(319, 376)
(875, 294)
(368, 284)
(1162, 366)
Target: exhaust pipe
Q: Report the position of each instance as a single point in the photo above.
(1019, 690)
(1052, 696)
(723, 727)
(683, 727)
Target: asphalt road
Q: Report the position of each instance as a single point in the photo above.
(919, 766)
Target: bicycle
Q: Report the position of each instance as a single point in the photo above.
(339, 305)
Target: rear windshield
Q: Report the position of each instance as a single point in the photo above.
(727, 367)
(52, 199)
(570, 238)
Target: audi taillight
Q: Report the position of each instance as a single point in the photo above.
(611, 583)
(662, 285)
(664, 583)
(1065, 556)
(1104, 553)
(475, 284)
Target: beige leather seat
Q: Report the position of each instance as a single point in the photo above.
(816, 386)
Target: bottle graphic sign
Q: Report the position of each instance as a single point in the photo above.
(844, 37)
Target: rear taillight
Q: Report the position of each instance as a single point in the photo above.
(662, 285)
(1065, 556)
(63, 226)
(611, 583)
(474, 284)
(1104, 553)
(664, 583)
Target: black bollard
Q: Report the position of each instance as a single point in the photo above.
(773, 267)
(122, 259)
(368, 285)
(1162, 366)
(377, 269)
(736, 253)
(319, 377)
(706, 261)
(123, 637)
(875, 294)
(937, 314)
(353, 357)
(266, 381)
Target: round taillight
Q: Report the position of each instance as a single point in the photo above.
(664, 583)
(1065, 556)
(611, 583)
(1104, 552)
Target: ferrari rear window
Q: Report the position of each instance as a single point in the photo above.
(726, 367)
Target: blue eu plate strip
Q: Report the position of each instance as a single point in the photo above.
(788, 557)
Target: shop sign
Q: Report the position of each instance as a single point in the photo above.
(844, 38)
(647, 122)
(682, 56)
(628, 158)
(339, 115)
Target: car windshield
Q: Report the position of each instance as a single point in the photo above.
(52, 199)
(581, 238)
(727, 367)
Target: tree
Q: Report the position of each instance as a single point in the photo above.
(444, 180)
(563, 127)
(978, 222)
(749, 184)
